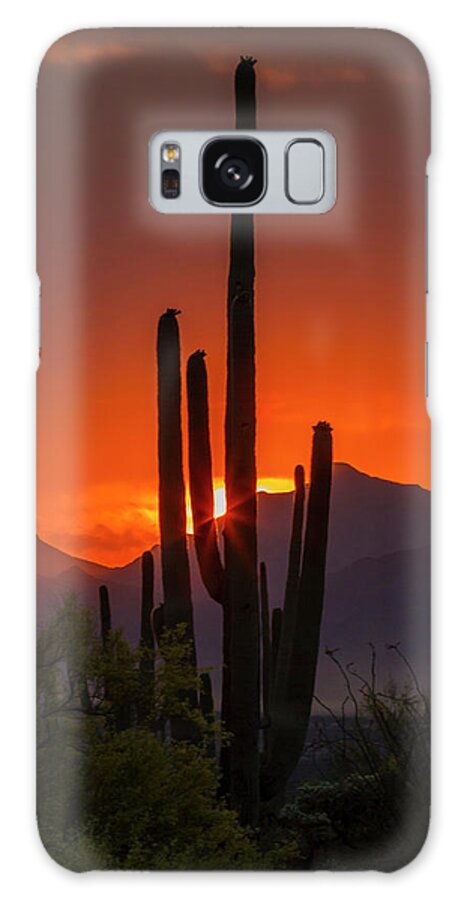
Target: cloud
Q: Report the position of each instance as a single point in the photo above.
(277, 79)
(109, 523)
(88, 46)
(286, 77)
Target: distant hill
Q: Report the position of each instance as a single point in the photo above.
(378, 575)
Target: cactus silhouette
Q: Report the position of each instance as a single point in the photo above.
(201, 479)
(206, 696)
(241, 621)
(265, 651)
(288, 657)
(207, 707)
(288, 618)
(177, 608)
(172, 515)
(105, 629)
(120, 709)
(289, 660)
(245, 93)
(105, 615)
(312, 581)
(276, 629)
(292, 699)
(147, 641)
(157, 622)
(234, 584)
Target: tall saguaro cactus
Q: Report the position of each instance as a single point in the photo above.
(241, 623)
(177, 609)
(240, 553)
(234, 585)
(172, 515)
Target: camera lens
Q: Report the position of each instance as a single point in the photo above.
(233, 171)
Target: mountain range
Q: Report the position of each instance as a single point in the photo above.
(377, 586)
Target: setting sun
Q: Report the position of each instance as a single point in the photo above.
(267, 485)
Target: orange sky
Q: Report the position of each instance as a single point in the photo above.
(340, 311)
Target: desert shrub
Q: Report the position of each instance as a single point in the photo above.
(377, 779)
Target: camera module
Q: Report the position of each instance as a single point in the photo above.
(233, 171)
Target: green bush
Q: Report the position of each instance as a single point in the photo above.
(113, 793)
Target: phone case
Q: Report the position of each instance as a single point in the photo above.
(233, 464)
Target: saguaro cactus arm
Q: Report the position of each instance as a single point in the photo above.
(157, 622)
(201, 478)
(282, 662)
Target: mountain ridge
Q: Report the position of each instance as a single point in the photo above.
(340, 468)
(377, 585)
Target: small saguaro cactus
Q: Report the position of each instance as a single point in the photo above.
(147, 639)
(265, 649)
(206, 696)
(105, 614)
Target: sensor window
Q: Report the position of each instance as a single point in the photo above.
(305, 172)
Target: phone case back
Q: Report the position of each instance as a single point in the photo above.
(233, 464)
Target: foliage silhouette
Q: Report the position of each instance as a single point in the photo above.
(370, 806)
(130, 799)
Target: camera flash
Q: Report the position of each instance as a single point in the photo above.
(170, 153)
